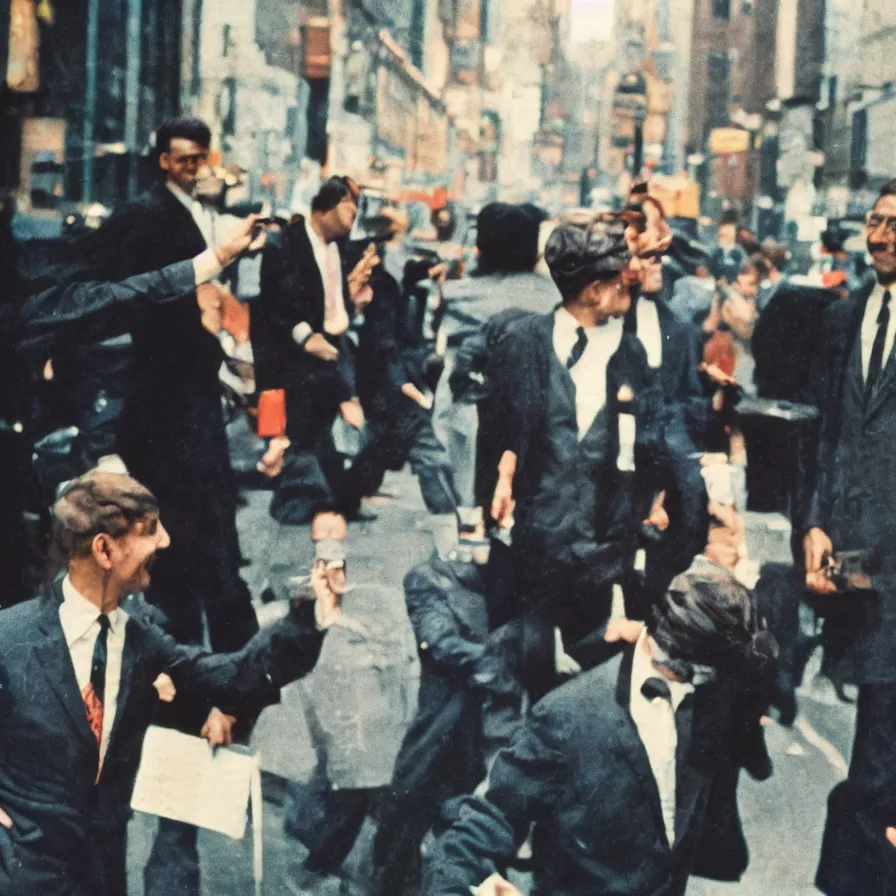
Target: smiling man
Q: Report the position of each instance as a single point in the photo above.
(853, 509)
(77, 695)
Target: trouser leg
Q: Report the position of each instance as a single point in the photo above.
(855, 854)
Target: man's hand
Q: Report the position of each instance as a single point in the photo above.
(628, 630)
(502, 500)
(352, 413)
(243, 237)
(411, 391)
(496, 886)
(218, 728)
(328, 586)
(658, 517)
(271, 463)
(318, 345)
(165, 688)
(438, 273)
(891, 835)
(817, 547)
(359, 290)
(5, 820)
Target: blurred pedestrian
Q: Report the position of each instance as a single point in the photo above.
(298, 333)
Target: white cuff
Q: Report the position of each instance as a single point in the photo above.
(301, 332)
(206, 266)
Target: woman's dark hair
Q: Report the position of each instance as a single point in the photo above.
(186, 129)
(332, 192)
(708, 618)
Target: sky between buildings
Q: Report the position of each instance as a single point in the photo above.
(592, 19)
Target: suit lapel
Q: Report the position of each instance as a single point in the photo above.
(631, 749)
(55, 662)
(129, 663)
(693, 739)
(187, 233)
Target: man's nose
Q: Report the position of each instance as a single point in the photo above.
(163, 539)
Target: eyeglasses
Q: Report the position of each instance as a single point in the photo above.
(876, 221)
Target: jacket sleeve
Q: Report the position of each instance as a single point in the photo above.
(826, 397)
(452, 645)
(525, 783)
(58, 318)
(250, 678)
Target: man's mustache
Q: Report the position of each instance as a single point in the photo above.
(882, 247)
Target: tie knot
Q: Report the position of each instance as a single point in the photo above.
(103, 620)
(656, 687)
(583, 336)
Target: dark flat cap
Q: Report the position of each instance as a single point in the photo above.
(597, 249)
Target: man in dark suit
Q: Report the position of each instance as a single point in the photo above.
(853, 509)
(298, 334)
(586, 446)
(77, 679)
(172, 435)
(616, 770)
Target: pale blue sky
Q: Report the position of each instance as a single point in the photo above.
(592, 19)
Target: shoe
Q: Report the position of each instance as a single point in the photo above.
(363, 515)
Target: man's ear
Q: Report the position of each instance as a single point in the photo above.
(101, 547)
(165, 161)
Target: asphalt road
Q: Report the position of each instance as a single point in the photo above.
(783, 817)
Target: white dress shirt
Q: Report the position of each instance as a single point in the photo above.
(80, 626)
(589, 374)
(200, 214)
(330, 266)
(869, 325)
(649, 332)
(655, 721)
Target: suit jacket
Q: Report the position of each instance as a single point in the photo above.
(68, 833)
(171, 433)
(579, 771)
(855, 492)
(519, 390)
(292, 292)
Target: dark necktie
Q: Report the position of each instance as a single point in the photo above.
(578, 349)
(94, 692)
(656, 687)
(876, 362)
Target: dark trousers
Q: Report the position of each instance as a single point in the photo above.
(856, 857)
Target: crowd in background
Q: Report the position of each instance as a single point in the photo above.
(589, 405)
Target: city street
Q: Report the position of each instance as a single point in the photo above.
(783, 817)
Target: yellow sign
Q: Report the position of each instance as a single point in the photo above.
(725, 141)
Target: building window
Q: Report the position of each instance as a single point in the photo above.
(225, 41)
(717, 96)
(721, 9)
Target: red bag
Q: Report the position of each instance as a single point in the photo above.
(272, 414)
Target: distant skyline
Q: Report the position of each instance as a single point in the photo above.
(592, 19)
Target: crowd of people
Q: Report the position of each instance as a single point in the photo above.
(598, 656)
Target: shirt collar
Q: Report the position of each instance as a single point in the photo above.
(185, 200)
(316, 242)
(569, 325)
(77, 614)
(643, 668)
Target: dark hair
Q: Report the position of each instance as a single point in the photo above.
(186, 129)
(507, 238)
(332, 192)
(444, 221)
(98, 503)
(888, 189)
(749, 268)
(708, 618)
(761, 265)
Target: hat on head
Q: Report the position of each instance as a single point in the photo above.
(597, 251)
